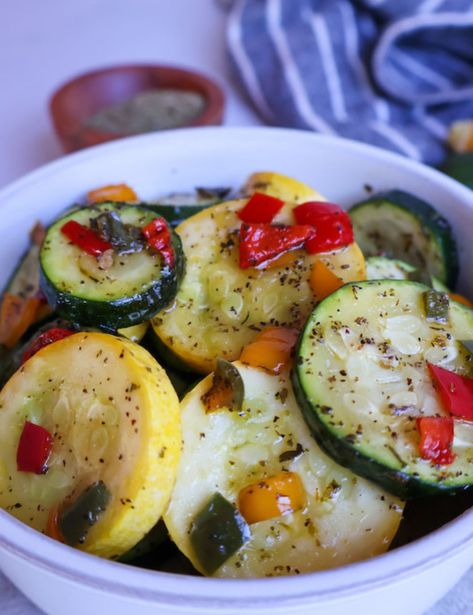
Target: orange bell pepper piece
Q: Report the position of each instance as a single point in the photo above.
(114, 192)
(322, 281)
(277, 495)
(52, 525)
(285, 260)
(461, 299)
(16, 315)
(271, 349)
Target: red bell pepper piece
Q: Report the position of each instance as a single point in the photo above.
(456, 392)
(85, 238)
(47, 337)
(260, 208)
(34, 448)
(436, 439)
(332, 226)
(158, 237)
(261, 243)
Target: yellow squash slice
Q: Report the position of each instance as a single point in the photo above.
(219, 307)
(244, 456)
(113, 416)
(281, 186)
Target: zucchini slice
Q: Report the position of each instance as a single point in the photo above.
(177, 207)
(343, 518)
(362, 380)
(24, 281)
(397, 224)
(220, 307)
(280, 186)
(133, 289)
(382, 268)
(114, 419)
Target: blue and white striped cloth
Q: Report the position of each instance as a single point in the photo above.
(395, 73)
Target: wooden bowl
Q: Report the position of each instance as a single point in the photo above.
(75, 101)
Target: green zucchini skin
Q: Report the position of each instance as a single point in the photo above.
(124, 311)
(24, 280)
(345, 450)
(437, 256)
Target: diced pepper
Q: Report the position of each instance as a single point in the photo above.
(436, 305)
(85, 238)
(16, 315)
(115, 192)
(217, 532)
(285, 260)
(47, 337)
(262, 243)
(461, 299)
(456, 392)
(271, 349)
(333, 228)
(158, 237)
(461, 136)
(76, 520)
(277, 495)
(52, 526)
(436, 439)
(34, 448)
(227, 390)
(260, 208)
(323, 281)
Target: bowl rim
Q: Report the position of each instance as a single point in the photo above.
(18, 539)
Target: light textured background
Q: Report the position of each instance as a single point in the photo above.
(43, 43)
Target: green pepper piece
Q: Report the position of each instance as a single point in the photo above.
(217, 532)
(436, 306)
(227, 390)
(76, 520)
(468, 345)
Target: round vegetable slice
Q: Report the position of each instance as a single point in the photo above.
(269, 502)
(362, 378)
(220, 307)
(127, 287)
(281, 186)
(113, 417)
(397, 224)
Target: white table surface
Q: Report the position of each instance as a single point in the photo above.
(44, 42)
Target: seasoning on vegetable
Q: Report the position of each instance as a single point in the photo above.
(262, 243)
(271, 349)
(333, 228)
(85, 238)
(436, 305)
(456, 392)
(227, 390)
(76, 520)
(44, 339)
(323, 282)
(271, 497)
(113, 192)
(34, 449)
(436, 439)
(260, 208)
(217, 532)
(158, 237)
(154, 109)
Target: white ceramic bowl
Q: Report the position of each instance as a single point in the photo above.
(63, 580)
